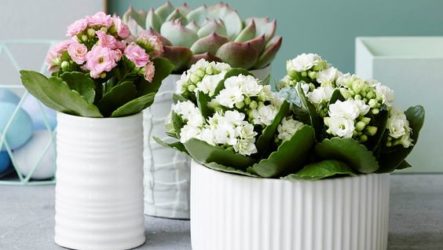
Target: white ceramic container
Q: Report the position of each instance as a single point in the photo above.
(99, 190)
(412, 67)
(167, 171)
(232, 212)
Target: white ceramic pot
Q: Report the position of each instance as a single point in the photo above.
(99, 190)
(232, 212)
(167, 171)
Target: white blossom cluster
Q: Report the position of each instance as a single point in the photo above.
(399, 130)
(287, 128)
(239, 107)
(206, 74)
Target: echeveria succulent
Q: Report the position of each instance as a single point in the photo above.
(215, 33)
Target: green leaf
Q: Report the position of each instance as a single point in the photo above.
(230, 170)
(116, 97)
(56, 94)
(202, 103)
(266, 139)
(392, 158)
(162, 69)
(321, 170)
(134, 106)
(348, 150)
(175, 145)
(178, 98)
(336, 95)
(404, 164)
(177, 123)
(289, 156)
(81, 83)
(315, 119)
(380, 122)
(205, 153)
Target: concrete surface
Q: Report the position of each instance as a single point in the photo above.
(416, 218)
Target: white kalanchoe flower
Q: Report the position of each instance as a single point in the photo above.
(249, 85)
(320, 94)
(189, 112)
(328, 75)
(209, 83)
(287, 128)
(245, 147)
(349, 109)
(181, 84)
(399, 129)
(229, 97)
(340, 126)
(188, 132)
(385, 93)
(264, 115)
(303, 62)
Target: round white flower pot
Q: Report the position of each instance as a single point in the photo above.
(99, 190)
(243, 213)
(167, 171)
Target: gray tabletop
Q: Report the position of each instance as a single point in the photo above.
(416, 218)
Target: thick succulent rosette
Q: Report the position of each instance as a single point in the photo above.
(215, 33)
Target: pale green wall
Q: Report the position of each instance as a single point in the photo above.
(328, 27)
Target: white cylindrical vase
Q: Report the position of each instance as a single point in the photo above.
(167, 171)
(233, 212)
(99, 190)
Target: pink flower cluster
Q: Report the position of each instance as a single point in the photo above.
(97, 44)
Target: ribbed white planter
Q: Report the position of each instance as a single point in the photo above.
(232, 212)
(99, 190)
(167, 171)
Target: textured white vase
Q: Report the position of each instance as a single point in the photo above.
(99, 190)
(167, 171)
(232, 212)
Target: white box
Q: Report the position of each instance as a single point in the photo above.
(413, 68)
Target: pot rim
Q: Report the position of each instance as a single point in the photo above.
(83, 118)
(278, 180)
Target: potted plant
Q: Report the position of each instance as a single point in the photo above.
(213, 33)
(306, 167)
(102, 78)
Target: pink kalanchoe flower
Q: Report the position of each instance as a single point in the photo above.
(108, 41)
(54, 54)
(122, 29)
(100, 59)
(149, 71)
(137, 55)
(77, 27)
(99, 19)
(77, 52)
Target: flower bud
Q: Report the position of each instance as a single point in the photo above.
(91, 32)
(371, 130)
(372, 103)
(360, 126)
(239, 105)
(363, 138)
(195, 78)
(370, 94)
(191, 88)
(366, 120)
(64, 65)
(304, 74)
(247, 100)
(253, 105)
(84, 38)
(375, 111)
(103, 75)
(200, 73)
(357, 97)
(209, 70)
(312, 74)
